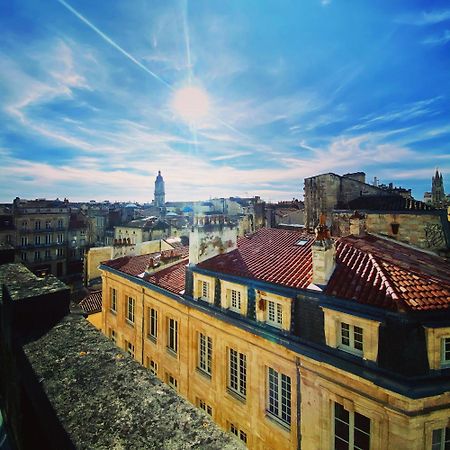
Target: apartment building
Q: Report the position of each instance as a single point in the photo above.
(289, 340)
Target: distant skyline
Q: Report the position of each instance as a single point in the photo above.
(95, 96)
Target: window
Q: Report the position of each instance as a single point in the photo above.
(24, 240)
(204, 290)
(59, 252)
(130, 348)
(37, 240)
(37, 225)
(351, 430)
(37, 256)
(48, 224)
(23, 256)
(113, 306)
(351, 338)
(48, 238)
(113, 335)
(60, 223)
(152, 366)
(47, 254)
(239, 433)
(235, 300)
(204, 353)
(274, 314)
(204, 406)
(238, 373)
(172, 338)
(24, 225)
(130, 309)
(441, 439)
(59, 239)
(153, 324)
(172, 381)
(279, 396)
(445, 351)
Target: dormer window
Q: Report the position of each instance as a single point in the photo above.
(274, 314)
(351, 338)
(204, 290)
(235, 300)
(445, 351)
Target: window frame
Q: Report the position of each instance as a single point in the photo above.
(204, 353)
(130, 312)
(129, 348)
(237, 373)
(152, 324)
(445, 362)
(172, 335)
(238, 432)
(113, 301)
(351, 347)
(237, 294)
(280, 409)
(443, 434)
(278, 312)
(351, 427)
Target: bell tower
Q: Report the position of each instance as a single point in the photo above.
(160, 194)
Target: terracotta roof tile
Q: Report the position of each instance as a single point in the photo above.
(172, 278)
(92, 303)
(395, 277)
(269, 255)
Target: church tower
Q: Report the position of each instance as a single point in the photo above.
(437, 190)
(160, 195)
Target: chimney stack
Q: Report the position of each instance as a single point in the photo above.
(358, 224)
(323, 254)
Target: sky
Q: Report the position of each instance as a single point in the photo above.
(89, 92)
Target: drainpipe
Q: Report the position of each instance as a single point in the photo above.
(299, 399)
(142, 329)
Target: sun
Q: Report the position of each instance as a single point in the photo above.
(191, 103)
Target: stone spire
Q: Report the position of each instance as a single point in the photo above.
(437, 190)
(160, 194)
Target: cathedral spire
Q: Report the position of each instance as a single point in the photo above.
(160, 194)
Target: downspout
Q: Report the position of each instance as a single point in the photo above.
(142, 329)
(299, 399)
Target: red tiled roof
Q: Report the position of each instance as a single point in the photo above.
(386, 274)
(136, 265)
(92, 303)
(270, 255)
(172, 278)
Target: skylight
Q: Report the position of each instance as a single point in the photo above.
(301, 242)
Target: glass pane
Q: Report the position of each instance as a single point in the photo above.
(362, 440)
(341, 429)
(362, 423)
(339, 444)
(340, 412)
(437, 436)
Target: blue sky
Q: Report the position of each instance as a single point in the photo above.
(296, 88)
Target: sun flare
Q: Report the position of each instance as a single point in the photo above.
(191, 104)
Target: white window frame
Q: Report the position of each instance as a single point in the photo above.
(204, 290)
(235, 300)
(204, 353)
(153, 323)
(237, 372)
(113, 305)
(131, 302)
(351, 427)
(279, 396)
(172, 381)
(439, 438)
(172, 335)
(351, 343)
(153, 367)
(445, 342)
(274, 313)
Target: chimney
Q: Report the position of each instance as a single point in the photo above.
(211, 236)
(358, 224)
(323, 254)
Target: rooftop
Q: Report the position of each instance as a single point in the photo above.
(387, 203)
(273, 255)
(22, 283)
(386, 274)
(92, 303)
(104, 399)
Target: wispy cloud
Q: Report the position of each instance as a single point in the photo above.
(425, 17)
(440, 39)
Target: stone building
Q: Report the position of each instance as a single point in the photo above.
(42, 234)
(292, 341)
(438, 198)
(404, 220)
(329, 191)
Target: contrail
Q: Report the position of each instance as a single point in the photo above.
(187, 41)
(114, 44)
